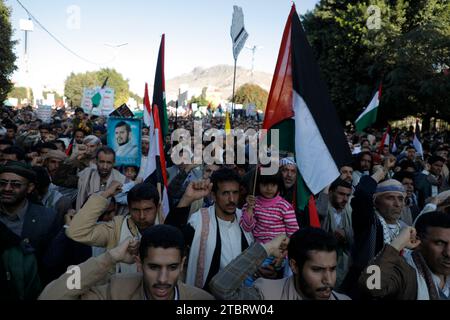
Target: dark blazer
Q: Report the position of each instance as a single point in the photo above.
(367, 232)
(398, 279)
(39, 227)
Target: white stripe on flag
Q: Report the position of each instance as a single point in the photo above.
(418, 145)
(152, 152)
(372, 105)
(314, 160)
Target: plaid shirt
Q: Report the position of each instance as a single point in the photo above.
(228, 284)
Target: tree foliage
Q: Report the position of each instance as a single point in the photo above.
(201, 100)
(136, 97)
(252, 93)
(76, 83)
(20, 93)
(406, 53)
(7, 56)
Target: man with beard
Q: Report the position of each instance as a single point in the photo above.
(126, 147)
(346, 173)
(377, 207)
(362, 167)
(422, 274)
(92, 180)
(335, 213)
(411, 209)
(213, 233)
(289, 173)
(431, 182)
(53, 160)
(160, 258)
(312, 258)
(33, 224)
(145, 143)
(79, 136)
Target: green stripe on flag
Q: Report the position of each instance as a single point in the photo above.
(303, 193)
(366, 120)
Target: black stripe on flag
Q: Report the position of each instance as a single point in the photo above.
(309, 85)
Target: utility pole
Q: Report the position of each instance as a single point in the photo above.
(253, 50)
(26, 25)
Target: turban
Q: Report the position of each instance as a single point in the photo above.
(56, 154)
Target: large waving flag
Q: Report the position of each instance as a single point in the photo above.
(300, 107)
(156, 164)
(159, 90)
(369, 115)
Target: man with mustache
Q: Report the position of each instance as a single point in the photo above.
(92, 180)
(376, 210)
(421, 274)
(335, 212)
(125, 146)
(160, 258)
(32, 224)
(213, 233)
(362, 166)
(312, 258)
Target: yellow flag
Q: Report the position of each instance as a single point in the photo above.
(227, 124)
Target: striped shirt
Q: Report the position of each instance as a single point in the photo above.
(271, 217)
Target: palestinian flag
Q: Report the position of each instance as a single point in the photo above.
(159, 90)
(156, 164)
(385, 140)
(369, 115)
(300, 107)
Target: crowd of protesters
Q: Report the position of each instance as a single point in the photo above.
(231, 233)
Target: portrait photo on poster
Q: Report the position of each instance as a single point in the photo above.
(124, 137)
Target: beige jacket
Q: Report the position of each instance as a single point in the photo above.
(85, 229)
(119, 287)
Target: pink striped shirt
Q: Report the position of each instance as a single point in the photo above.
(271, 217)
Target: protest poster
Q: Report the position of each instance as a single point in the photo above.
(124, 137)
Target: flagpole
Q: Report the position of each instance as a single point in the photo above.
(234, 86)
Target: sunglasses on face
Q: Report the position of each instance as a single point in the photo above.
(14, 184)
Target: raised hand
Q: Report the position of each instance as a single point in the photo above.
(114, 188)
(406, 239)
(195, 191)
(277, 247)
(389, 162)
(125, 251)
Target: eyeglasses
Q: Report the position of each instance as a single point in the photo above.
(12, 183)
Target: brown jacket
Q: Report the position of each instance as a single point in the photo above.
(85, 229)
(398, 279)
(119, 287)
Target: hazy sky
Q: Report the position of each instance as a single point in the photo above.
(197, 34)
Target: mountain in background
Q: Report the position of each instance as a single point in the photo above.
(218, 79)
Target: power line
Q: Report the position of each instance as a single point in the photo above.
(55, 38)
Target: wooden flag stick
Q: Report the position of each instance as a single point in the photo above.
(256, 178)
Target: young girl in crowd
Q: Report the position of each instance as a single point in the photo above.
(268, 215)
